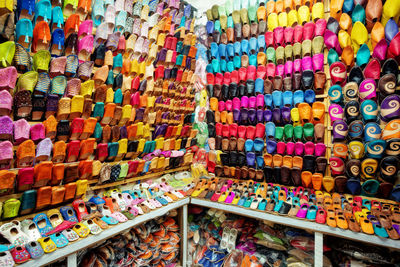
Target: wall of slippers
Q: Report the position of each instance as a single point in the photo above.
(303, 110)
(92, 92)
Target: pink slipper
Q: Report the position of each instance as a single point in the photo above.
(320, 150)
(299, 149)
(309, 148)
(37, 132)
(8, 78)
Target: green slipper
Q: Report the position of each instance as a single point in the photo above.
(288, 131)
(332, 56)
(27, 81)
(41, 60)
(298, 133)
(128, 215)
(308, 130)
(271, 56)
(7, 51)
(279, 133)
(11, 208)
(370, 188)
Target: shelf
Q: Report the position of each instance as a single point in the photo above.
(91, 240)
(303, 224)
(137, 178)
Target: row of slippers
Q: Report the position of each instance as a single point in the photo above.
(262, 80)
(276, 168)
(58, 228)
(345, 212)
(277, 135)
(302, 115)
(20, 130)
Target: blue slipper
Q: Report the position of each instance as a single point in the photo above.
(210, 27)
(261, 42)
(26, 5)
(380, 231)
(43, 224)
(214, 50)
(57, 42)
(375, 149)
(249, 145)
(237, 48)
(241, 201)
(230, 67)
(354, 186)
(363, 55)
(251, 158)
(259, 86)
(43, 10)
(263, 203)
(244, 45)
(258, 144)
(109, 220)
(24, 29)
(230, 51)
(277, 98)
(28, 201)
(68, 214)
(222, 65)
(57, 18)
(335, 94)
(215, 65)
(268, 100)
(369, 110)
(253, 60)
(260, 162)
(222, 51)
(59, 239)
(237, 62)
(270, 130)
(271, 146)
(312, 213)
(309, 96)
(287, 98)
(298, 97)
(253, 45)
(395, 194)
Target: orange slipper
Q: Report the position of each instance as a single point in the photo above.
(277, 160)
(305, 112)
(306, 178)
(57, 174)
(43, 198)
(298, 162)
(57, 194)
(316, 180)
(25, 154)
(318, 112)
(86, 148)
(88, 128)
(7, 181)
(50, 124)
(70, 190)
(85, 169)
(268, 160)
(43, 173)
(59, 151)
(108, 113)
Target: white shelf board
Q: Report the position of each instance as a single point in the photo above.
(91, 240)
(297, 223)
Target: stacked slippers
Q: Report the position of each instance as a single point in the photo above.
(88, 82)
(364, 110)
(56, 228)
(344, 211)
(264, 81)
(154, 243)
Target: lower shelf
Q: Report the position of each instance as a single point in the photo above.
(91, 240)
(297, 223)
